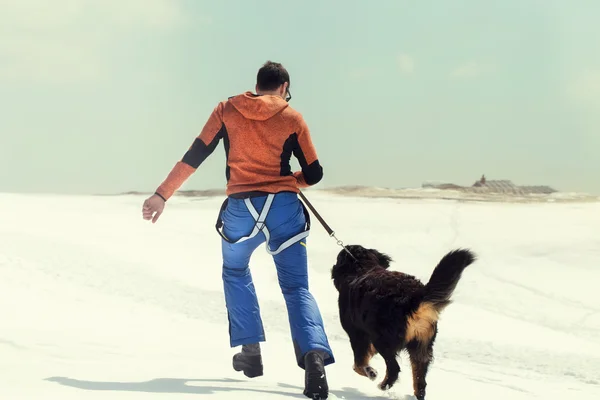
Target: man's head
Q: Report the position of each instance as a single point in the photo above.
(273, 79)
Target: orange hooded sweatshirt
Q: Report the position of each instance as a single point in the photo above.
(259, 133)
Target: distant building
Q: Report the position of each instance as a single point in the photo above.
(480, 182)
(484, 185)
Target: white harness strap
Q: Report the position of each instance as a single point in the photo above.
(260, 226)
(260, 219)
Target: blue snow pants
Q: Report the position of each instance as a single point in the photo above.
(283, 222)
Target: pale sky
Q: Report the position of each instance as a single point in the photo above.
(104, 96)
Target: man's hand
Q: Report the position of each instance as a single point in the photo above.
(300, 181)
(153, 208)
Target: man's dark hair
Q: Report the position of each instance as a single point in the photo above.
(271, 75)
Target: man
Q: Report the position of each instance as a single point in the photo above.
(260, 132)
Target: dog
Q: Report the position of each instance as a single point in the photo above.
(384, 312)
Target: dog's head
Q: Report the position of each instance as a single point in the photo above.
(363, 261)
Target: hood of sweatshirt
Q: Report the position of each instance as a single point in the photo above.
(256, 107)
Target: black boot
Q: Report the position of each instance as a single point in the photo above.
(249, 361)
(315, 380)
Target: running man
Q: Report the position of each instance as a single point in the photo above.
(260, 132)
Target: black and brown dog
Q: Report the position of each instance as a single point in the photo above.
(385, 311)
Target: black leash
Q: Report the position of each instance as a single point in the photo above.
(327, 228)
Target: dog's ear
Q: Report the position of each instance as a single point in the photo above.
(338, 273)
(383, 259)
(335, 276)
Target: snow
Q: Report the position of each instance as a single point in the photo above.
(94, 299)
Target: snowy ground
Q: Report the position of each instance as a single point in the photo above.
(96, 303)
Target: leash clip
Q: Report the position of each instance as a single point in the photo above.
(340, 243)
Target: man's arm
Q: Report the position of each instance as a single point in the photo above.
(305, 152)
(201, 148)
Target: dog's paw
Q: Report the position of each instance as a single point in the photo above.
(371, 373)
(367, 371)
(386, 384)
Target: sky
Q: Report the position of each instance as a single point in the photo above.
(105, 96)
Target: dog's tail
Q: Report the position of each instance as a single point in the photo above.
(438, 291)
(445, 277)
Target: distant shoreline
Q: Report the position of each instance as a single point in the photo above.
(413, 194)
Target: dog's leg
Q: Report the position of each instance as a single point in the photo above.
(363, 352)
(389, 354)
(421, 355)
